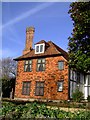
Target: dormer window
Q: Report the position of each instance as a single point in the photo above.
(39, 48)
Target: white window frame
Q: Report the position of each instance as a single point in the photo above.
(61, 67)
(60, 86)
(39, 48)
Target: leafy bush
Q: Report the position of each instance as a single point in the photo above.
(88, 98)
(77, 96)
(35, 110)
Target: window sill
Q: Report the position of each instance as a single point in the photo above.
(60, 69)
(26, 94)
(60, 91)
(39, 95)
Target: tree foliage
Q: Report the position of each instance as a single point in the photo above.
(8, 67)
(79, 42)
(7, 76)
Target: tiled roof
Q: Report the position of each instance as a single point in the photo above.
(51, 49)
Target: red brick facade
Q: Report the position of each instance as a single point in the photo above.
(50, 77)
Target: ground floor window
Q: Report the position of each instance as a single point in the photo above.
(26, 88)
(60, 86)
(39, 91)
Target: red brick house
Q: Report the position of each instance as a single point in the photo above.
(43, 72)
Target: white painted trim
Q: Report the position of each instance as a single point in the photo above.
(86, 86)
(39, 48)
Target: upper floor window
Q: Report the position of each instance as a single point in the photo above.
(41, 64)
(26, 88)
(60, 86)
(28, 66)
(39, 48)
(61, 65)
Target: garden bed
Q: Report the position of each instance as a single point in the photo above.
(39, 110)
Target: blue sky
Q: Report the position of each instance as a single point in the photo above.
(51, 22)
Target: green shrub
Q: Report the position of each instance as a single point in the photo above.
(77, 96)
(88, 98)
(35, 110)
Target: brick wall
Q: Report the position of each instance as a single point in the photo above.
(50, 76)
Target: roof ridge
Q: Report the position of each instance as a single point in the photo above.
(40, 42)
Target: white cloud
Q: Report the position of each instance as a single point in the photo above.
(28, 13)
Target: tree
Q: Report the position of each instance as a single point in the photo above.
(79, 42)
(8, 75)
(8, 68)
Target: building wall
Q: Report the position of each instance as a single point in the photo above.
(50, 76)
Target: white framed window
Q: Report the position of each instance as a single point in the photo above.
(41, 64)
(39, 48)
(39, 90)
(60, 86)
(26, 88)
(28, 66)
(61, 65)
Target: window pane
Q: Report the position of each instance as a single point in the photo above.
(43, 60)
(39, 60)
(71, 74)
(26, 88)
(38, 67)
(37, 48)
(37, 84)
(78, 78)
(88, 79)
(60, 86)
(30, 61)
(42, 84)
(89, 91)
(28, 85)
(27, 91)
(41, 65)
(26, 62)
(39, 88)
(24, 84)
(28, 66)
(41, 48)
(71, 89)
(61, 65)
(37, 91)
(41, 91)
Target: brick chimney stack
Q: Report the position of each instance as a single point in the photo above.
(29, 39)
